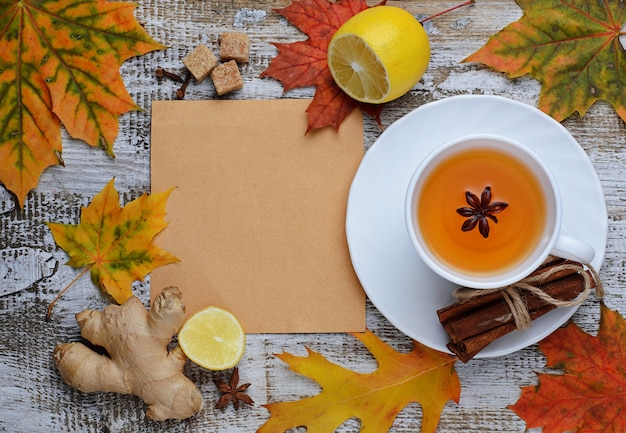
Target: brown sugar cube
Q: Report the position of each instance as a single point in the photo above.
(200, 62)
(235, 46)
(226, 77)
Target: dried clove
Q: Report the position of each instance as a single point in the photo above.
(163, 73)
(180, 93)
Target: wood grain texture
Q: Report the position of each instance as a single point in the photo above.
(32, 270)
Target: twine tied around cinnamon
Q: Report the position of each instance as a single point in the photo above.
(532, 284)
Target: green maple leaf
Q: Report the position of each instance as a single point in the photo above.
(572, 47)
(115, 243)
(59, 63)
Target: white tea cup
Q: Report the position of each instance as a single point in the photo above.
(493, 185)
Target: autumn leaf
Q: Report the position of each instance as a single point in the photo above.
(59, 63)
(590, 394)
(115, 243)
(376, 398)
(572, 47)
(303, 63)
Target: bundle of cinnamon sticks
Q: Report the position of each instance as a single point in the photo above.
(474, 323)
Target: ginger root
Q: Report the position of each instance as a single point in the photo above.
(139, 362)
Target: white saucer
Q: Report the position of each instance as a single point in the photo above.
(397, 282)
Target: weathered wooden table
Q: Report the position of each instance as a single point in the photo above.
(34, 399)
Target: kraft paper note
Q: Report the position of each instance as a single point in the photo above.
(258, 213)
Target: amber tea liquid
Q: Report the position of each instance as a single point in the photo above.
(520, 226)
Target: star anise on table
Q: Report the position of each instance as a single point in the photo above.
(480, 211)
(232, 392)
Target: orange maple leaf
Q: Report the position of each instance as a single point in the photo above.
(115, 243)
(59, 63)
(572, 47)
(376, 398)
(590, 395)
(303, 63)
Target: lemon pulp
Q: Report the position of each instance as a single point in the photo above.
(358, 68)
(213, 338)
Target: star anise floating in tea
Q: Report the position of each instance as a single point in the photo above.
(232, 391)
(480, 211)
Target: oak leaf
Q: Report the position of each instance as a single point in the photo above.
(303, 63)
(376, 398)
(590, 394)
(59, 63)
(572, 47)
(115, 243)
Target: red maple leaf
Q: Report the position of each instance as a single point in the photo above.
(303, 63)
(590, 394)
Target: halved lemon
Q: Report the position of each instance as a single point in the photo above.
(213, 338)
(379, 54)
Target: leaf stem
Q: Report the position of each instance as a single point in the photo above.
(49, 313)
(467, 3)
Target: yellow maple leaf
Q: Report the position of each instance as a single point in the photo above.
(115, 243)
(423, 375)
(59, 64)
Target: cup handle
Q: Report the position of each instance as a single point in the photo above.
(575, 249)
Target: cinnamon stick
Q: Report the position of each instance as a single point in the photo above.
(466, 306)
(473, 324)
